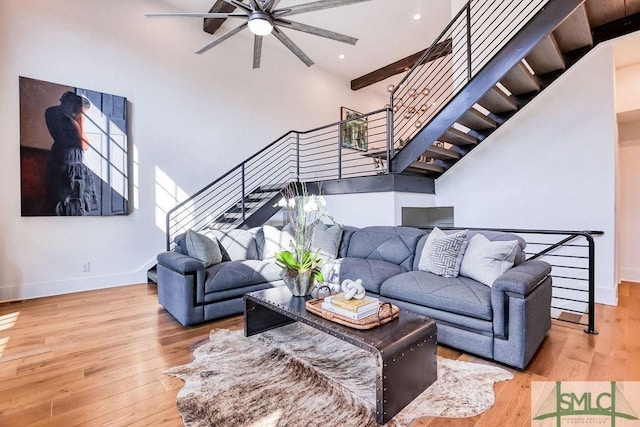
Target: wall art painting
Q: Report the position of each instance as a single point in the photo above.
(354, 129)
(74, 154)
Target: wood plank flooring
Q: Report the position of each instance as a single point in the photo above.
(97, 358)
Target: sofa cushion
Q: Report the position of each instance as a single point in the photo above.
(442, 253)
(237, 274)
(459, 295)
(203, 248)
(240, 244)
(395, 245)
(372, 272)
(485, 260)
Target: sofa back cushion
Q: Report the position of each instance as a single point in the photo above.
(396, 245)
(239, 244)
(491, 235)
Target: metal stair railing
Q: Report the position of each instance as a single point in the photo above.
(320, 154)
(483, 41)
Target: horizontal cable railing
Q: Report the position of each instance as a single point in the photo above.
(470, 40)
(338, 150)
(571, 255)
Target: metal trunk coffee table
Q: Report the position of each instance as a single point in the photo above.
(405, 348)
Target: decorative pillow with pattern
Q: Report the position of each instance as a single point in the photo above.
(443, 253)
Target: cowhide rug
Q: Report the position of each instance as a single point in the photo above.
(297, 376)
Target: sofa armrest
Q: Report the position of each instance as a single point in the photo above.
(180, 263)
(523, 278)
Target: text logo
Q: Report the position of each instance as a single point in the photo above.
(575, 404)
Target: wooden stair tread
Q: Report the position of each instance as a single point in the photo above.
(441, 153)
(426, 167)
(575, 32)
(602, 12)
(546, 56)
(457, 137)
(519, 80)
(496, 101)
(474, 119)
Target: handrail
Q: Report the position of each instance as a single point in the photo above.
(551, 247)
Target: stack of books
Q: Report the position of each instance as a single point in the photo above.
(354, 309)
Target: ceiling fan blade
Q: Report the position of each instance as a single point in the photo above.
(257, 51)
(222, 38)
(240, 5)
(196, 15)
(270, 5)
(255, 5)
(319, 5)
(292, 46)
(317, 31)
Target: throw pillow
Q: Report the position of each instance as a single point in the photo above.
(326, 240)
(486, 260)
(277, 240)
(443, 253)
(203, 248)
(238, 244)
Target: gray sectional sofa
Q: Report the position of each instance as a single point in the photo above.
(505, 319)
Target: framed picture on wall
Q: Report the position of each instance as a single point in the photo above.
(74, 154)
(354, 129)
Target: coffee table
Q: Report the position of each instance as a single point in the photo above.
(405, 348)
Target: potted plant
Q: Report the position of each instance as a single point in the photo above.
(301, 266)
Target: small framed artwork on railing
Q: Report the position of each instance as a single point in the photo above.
(354, 129)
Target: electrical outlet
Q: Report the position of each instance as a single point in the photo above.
(86, 267)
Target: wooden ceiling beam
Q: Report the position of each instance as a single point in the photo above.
(211, 25)
(439, 50)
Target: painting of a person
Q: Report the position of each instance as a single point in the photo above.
(70, 188)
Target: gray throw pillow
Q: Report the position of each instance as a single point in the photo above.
(486, 260)
(203, 248)
(326, 240)
(443, 253)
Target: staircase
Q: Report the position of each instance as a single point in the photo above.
(478, 73)
(557, 35)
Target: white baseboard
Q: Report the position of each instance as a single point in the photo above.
(60, 287)
(630, 275)
(607, 296)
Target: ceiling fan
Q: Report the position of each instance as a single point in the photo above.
(262, 17)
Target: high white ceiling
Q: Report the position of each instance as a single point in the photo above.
(386, 31)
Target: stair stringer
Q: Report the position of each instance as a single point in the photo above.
(509, 56)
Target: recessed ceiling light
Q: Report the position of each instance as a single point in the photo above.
(417, 17)
(341, 56)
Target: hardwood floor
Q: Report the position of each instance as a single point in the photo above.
(97, 358)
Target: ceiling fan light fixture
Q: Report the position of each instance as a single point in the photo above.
(260, 23)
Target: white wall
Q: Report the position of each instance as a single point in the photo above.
(192, 118)
(368, 209)
(552, 166)
(628, 100)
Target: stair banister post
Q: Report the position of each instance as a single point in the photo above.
(389, 134)
(468, 12)
(298, 154)
(340, 127)
(242, 200)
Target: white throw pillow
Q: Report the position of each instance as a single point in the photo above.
(277, 240)
(442, 253)
(203, 248)
(485, 260)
